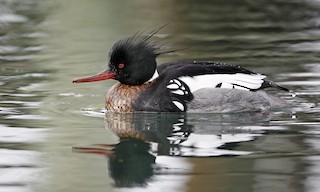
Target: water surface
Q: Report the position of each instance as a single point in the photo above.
(56, 136)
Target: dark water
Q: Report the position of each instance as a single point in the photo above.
(55, 135)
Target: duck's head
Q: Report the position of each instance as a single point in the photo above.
(132, 61)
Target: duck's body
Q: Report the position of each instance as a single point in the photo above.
(173, 93)
(180, 86)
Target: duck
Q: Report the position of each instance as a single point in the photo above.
(180, 86)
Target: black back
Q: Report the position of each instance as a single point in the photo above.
(159, 98)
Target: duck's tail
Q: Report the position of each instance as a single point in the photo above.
(271, 84)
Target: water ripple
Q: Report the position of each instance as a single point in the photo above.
(21, 135)
(12, 18)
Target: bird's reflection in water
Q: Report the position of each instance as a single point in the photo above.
(145, 137)
(178, 134)
(131, 163)
(150, 127)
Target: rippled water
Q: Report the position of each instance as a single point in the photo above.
(56, 136)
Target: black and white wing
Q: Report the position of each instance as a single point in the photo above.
(198, 75)
(230, 81)
(165, 95)
(173, 88)
(180, 93)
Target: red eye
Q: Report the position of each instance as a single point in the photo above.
(121, 65)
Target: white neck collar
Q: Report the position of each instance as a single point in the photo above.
(155, 75)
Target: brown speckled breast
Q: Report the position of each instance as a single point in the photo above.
(120, 97)
(124, 125)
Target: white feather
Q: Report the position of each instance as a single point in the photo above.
(179, 105)
(177, 82)
(249, 81)
(173, 86)
(226, 85)
(155, 75)
(178, 92)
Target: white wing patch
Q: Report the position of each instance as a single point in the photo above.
(179, 105)
(231, 81)
(180, 92)
(176, 87)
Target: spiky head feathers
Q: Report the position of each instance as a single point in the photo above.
(134, 59)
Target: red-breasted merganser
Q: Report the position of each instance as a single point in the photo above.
(197, 86)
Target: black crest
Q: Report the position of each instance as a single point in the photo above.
(134, 59)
